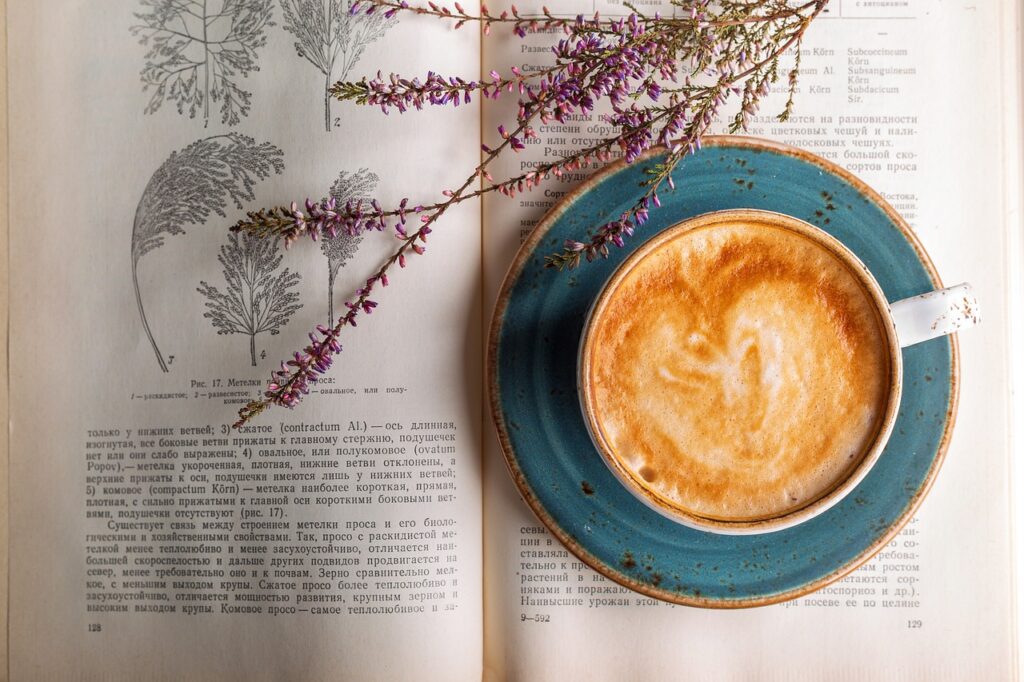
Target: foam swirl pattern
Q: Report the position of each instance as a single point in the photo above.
(739, 371)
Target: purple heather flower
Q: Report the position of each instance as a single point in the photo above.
(624, 62)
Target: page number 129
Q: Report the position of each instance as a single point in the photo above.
(914, 625)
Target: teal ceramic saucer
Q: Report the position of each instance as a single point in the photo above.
(531, 369)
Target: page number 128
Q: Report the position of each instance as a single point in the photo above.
(95, 627)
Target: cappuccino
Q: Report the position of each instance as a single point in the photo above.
(737, 370)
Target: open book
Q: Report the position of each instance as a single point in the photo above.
(373, 533)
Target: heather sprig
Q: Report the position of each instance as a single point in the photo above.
(664, 81)
(521, 25)
(289, 384)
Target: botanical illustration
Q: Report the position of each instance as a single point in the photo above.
(331, 37)
(189, 186)
(258, 297)
(349, 187)
(197, 50)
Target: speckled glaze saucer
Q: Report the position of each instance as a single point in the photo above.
(531, 368)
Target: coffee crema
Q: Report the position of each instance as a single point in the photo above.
(738, 371)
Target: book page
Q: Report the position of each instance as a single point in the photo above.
(907, 96)
(149, 541)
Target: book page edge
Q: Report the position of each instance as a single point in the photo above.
(4, 394)
(1013, 134)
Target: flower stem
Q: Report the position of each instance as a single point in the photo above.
(722, 48)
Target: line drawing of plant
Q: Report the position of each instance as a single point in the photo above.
(326, 30)
(355, 186)
(196, 49)
(255, 300)
(191, 185)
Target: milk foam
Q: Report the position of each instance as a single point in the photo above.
(739, 371)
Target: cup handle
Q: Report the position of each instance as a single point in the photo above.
(935, 314)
